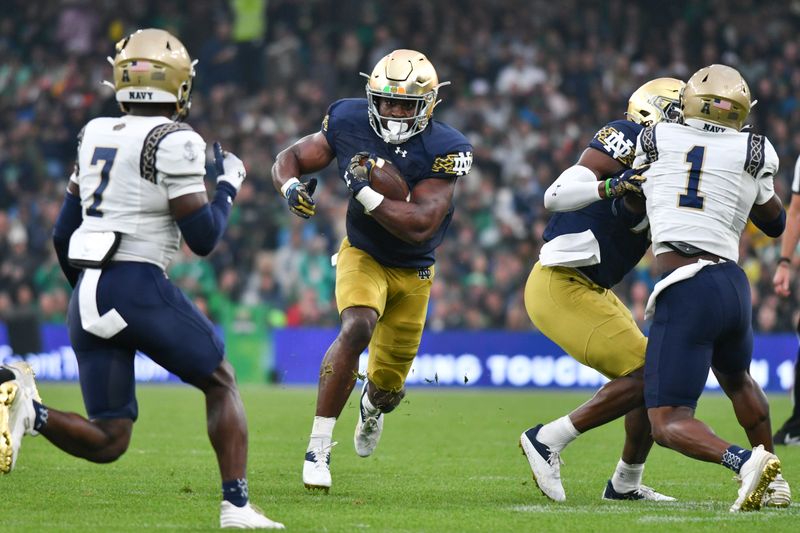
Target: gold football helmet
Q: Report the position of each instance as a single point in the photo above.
(656, 100)
(404, 75)
(152, 66)
(717, 94)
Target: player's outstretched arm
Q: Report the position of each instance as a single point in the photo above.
(417, 220)
(783, 271)
(578, 185)
(69, 219)
(310, 154)
(202, 224)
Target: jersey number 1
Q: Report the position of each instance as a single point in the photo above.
(691, 198)
(106, 155)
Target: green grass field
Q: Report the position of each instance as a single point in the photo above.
(448, 462)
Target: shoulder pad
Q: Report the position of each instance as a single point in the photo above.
(147, 162)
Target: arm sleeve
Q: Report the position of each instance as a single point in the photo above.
(69, 219)
(203, 229)
(181, 163)
(574, 189)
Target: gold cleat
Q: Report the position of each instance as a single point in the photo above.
(8, 391)
(753, 501)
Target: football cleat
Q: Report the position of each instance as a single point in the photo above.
(642, 493)
(545, 465)
(16, 419)
(317, 468)
(25, 377)
(788, 435)
(247, 517)
(778, 493)
(368, 428)
(755, 475)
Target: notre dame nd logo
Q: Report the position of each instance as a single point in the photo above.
(617, 145)
(424, 273)
(458, 163)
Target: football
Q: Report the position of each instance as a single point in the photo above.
(387, 180)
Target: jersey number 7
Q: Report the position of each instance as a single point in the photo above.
(106, 155)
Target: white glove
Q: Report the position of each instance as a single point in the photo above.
(229, 167)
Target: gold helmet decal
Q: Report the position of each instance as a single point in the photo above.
(404, 75)
(717, 94)
(656, 100)
(153, 66)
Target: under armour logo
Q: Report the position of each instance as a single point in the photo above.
(424, 273)
(402, 153)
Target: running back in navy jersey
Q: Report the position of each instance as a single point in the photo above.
(439, 152)
(620, 247)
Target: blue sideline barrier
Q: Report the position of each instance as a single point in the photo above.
(446, 359)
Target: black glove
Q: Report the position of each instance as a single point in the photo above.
(629, 181)
(299, 198)
(357, 174)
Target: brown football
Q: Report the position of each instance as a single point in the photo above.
(387, 180)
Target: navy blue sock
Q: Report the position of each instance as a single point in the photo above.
(41, 416)
(235, 491)
(734, 457)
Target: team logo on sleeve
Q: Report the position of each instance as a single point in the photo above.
(458, 164)
(615, 143)
(189, 153)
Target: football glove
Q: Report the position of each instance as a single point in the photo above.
(629, 181)
(357, 174)
(229, 168)
(298, 195)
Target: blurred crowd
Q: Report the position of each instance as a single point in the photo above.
(532, 81)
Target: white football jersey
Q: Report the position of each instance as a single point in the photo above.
(701, 185)
(128, 169)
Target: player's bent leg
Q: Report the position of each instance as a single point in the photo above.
(226, 421)
(97, 440)
(338, 374)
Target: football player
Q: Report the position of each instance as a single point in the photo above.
(703, 179)
(789, 433)
(596, 237)
(385, 265)
(138, 186)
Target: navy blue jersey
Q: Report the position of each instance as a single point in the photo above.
(620, 247)
(439, 152)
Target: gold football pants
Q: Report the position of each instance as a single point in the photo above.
(399, 296)
(586, 320)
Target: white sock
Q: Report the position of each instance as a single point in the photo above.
(321, 432)
(557, 434)
(368, 407)
(627, 477)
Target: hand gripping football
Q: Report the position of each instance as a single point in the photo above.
(387, 180)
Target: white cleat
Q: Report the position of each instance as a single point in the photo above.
(778, 493)
(24, 376)
(368, 428)
(756, 474)
(317, 469)
(247, 517)
(545, 465)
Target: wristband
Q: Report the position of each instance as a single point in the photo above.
(286, 186)
(784, 259)
(369, 198)
(608, 188)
